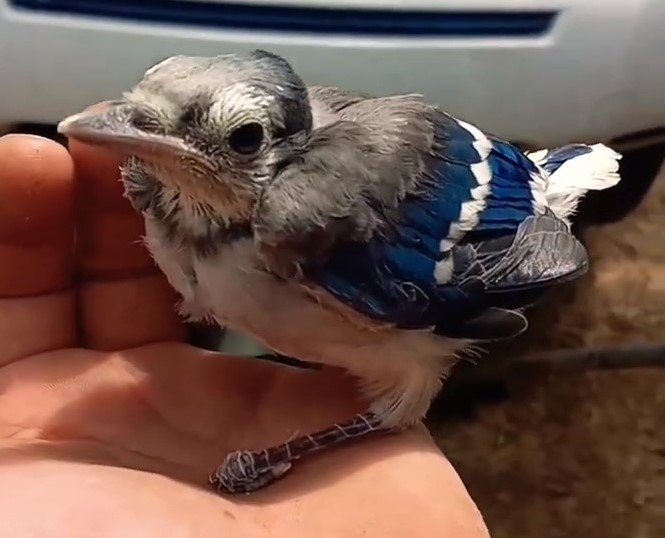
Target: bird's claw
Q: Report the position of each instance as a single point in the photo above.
(190, 311)
(241, 472)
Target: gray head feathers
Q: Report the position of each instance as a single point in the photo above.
(226, 90)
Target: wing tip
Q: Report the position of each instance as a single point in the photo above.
(491, 325)
(547, 253)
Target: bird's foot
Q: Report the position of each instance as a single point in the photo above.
(246, 471)
(190, 311)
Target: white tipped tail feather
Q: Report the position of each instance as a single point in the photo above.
(574, 170)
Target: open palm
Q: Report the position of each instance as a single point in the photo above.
(110, 423)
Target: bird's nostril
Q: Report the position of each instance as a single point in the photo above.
(147, 121)
(194, 112)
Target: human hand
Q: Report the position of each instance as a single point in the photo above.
(110, 423)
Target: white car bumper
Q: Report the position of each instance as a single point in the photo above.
(563, 71)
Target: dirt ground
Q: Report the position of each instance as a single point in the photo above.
(580, 454)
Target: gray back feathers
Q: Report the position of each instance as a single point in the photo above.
(349, 179)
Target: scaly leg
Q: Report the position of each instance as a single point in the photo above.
(245, 471)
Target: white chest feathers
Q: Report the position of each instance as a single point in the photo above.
(307, 323)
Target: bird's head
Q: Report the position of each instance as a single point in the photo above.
(214, 129)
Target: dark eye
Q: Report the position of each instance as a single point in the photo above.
(247, 139)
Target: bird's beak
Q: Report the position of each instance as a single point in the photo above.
(109, 124)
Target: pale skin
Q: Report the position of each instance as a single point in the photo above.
(110, 423)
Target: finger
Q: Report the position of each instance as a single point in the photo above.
(36, 247)
(108, 229)
(124, 300)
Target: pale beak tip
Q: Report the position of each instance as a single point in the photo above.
(64, 126)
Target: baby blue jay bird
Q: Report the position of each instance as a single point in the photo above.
(376, 234)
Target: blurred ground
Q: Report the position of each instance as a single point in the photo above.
(580, 454)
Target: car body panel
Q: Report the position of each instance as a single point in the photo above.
(596, 74)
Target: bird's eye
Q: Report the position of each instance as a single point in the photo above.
(247, 139)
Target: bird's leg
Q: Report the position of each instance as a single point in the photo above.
(247, 470)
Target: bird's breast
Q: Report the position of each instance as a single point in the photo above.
(241, 294)
(296, 319)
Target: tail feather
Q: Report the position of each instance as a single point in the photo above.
(574, 170)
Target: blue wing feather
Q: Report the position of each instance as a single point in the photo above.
(510, 200)
(554, 158)
(448, 185)
(393, 278)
